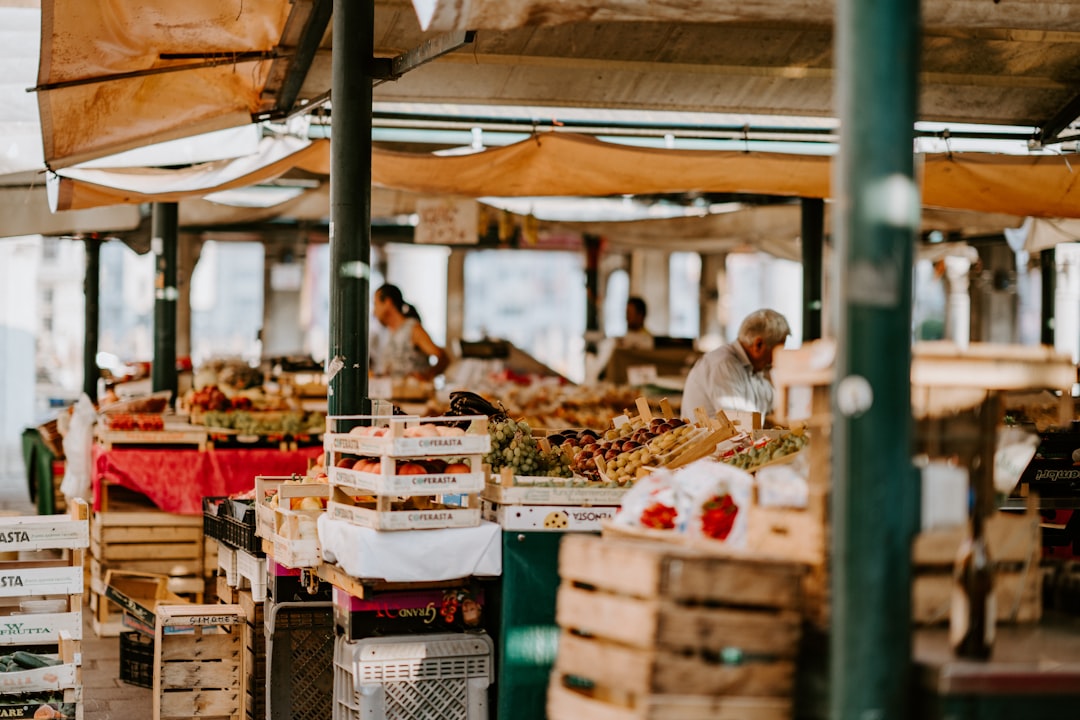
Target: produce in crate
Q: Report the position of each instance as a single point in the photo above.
(704, 499)
(750, 455)
(513, 446)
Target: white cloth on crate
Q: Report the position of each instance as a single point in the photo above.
(724, 379)
(414, 555)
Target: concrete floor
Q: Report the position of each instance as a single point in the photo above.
(104, 696)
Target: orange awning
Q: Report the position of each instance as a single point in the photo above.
(108, 70)
(559, 164)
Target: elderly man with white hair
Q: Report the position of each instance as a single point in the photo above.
(736, 376)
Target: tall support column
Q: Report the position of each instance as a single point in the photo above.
(592, 292)
(1048, 269)
(875, 495)
(455, 297)
(813, 242)
(350, 206)
(164, 231)
(91, 287)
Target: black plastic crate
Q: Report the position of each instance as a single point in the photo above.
(239, 522)
(213, 509)
(300, 661)
(137, 659)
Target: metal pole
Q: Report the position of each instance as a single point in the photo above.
(91, 285)
(1048, 269)
(350, 206)
(813, 239)
(875, 492)
(164, 232)
(592, 291)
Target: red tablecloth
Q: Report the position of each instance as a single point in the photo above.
(178, 480)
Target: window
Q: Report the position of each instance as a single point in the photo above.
(227, 301)
(533, 298)
(684, 299)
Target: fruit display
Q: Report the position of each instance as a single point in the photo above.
(411, 466)
(705, 499)
(513, 446)
(626, 449)
(247, 422)
(751, 454)
(151, 422)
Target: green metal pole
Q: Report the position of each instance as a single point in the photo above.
(875, 492)
(350, 206)
(1048, 271)
(164, 233)
(91, 287)
(813, 239)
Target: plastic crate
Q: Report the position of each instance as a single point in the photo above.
(430, 677)
(240, 528)
(299, 660)
(214, 509)
(137, 659)
(232, 523)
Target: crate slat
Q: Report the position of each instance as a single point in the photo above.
(199, 704)
(567, 704)
(181, 647)
(638, 670)
(661, 623)
(199, 674)
(652, 569)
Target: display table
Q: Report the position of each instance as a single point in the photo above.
(1034, 673)
(176, 480)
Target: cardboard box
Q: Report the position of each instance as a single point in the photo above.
(407, 612)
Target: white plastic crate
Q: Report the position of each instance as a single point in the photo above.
(413, 677)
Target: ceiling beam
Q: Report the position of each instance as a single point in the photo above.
(427, 51)
(303, 32)
(1049, 130)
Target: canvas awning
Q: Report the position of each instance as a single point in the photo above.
(79, 188)
(108, 75)
(557, 164)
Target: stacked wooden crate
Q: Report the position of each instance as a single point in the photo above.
(41, 604)
(136, 536)
(253, 649)
(396, 477)
(198, 662)
(657, 630)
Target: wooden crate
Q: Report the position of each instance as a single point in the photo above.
(198, 675)
(51, 553)
(647, 626)
(254, 642)
(120, 537)
(1015, 544)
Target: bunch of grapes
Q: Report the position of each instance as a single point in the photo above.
(557, 463)
(513, 446)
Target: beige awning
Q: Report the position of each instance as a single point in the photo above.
(77, 188)
(557, 164)
(98, 99)
(508, 14)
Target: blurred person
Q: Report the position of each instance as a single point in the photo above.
(636, 337)
(406, 349)
(736, 376)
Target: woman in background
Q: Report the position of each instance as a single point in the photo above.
(407, 349)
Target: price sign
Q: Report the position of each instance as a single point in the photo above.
(447, 221)
(641, 374)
